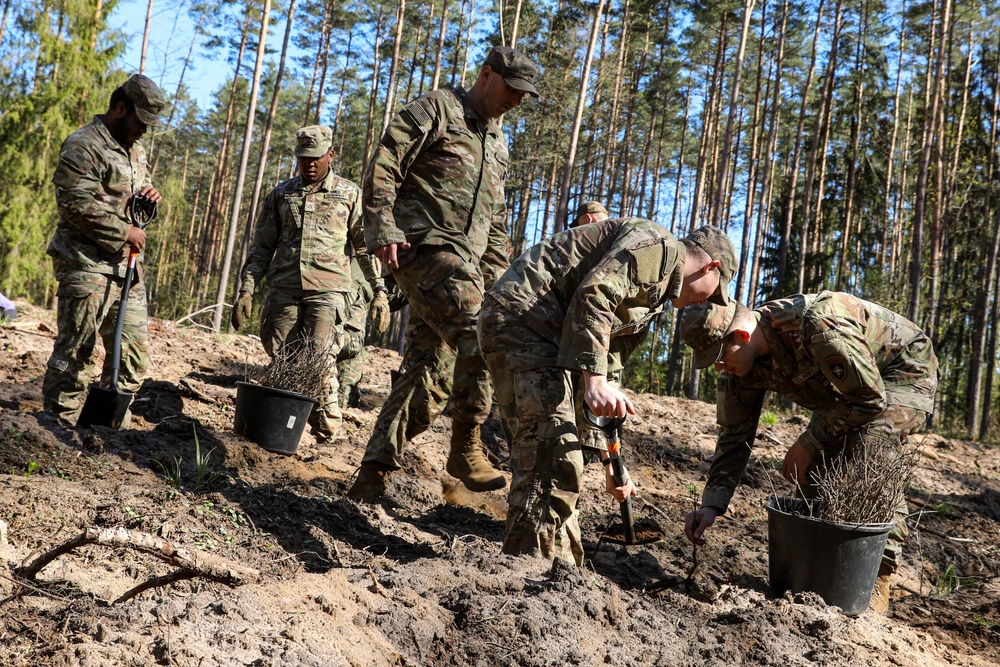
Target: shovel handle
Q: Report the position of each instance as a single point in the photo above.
(620, 476)
(116, 346)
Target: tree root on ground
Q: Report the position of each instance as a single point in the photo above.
(190, 563)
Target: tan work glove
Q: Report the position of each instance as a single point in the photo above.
(241, 310)
(378, 312)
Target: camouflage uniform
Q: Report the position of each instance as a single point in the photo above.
(299, 244)
(94, 179)
(579, 301)
(862, 369)
(436, 182)
(351, 358)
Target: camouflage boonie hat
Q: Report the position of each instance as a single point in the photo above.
(718, 246)
(147, 98)
(704, 327)
(515, 68)
(313, 141)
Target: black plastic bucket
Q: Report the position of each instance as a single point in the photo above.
(273, 418)
(838, 561)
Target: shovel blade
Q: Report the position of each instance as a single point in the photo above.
(104, 407)
(646, 532)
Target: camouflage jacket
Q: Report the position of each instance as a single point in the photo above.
(437, 178)
(594, 289)
(94, 179)
(833, 353)
(301, 237)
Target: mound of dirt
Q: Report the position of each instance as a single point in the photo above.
(419, 579)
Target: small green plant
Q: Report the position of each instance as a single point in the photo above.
(172, 472)
(942, 508)
(948, 582)
(204, 476)
(989, 625)
(768, 419)
(32, 467)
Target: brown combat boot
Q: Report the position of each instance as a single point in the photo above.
(467, 461)
(370, 483)
(879, 602)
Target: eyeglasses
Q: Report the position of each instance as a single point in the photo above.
(723, 346)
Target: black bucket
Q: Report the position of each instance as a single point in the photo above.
(273, 418)
(838, 561)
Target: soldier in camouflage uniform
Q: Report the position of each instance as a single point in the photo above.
(100, 167)
(865, 371)
(591, 437)
(579, 303)
(300, 238)
(435, 215)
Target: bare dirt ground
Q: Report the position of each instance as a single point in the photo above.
(418, 579)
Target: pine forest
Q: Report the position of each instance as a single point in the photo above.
(847, 145)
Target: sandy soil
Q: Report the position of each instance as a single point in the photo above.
(418, 579)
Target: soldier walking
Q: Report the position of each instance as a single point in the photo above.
(299, 248)
(578, 304)
(101, 166)
(865, 371)
(435, 215)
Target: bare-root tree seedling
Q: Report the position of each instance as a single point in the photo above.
(867, 486)
(302, 366)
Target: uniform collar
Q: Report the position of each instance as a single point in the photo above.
(470, 111)
(677, 277)
(105, 133)
(323, 186)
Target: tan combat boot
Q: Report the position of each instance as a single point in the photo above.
(880, 594)
(467, 461)
(370, 483)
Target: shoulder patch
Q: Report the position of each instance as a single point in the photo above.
(647, 262)
(417, 112)
(837, 366)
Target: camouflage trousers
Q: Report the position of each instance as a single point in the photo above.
(351, 367)
(87, 307)
(317, 317)
(442, 358)
(894, 425)
(537, 405)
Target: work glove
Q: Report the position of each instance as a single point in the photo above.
(241, 310)
(378, 311)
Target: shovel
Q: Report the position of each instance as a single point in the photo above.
(647, 532)
(107, 406)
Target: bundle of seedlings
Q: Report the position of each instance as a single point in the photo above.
(868, 485)
(301, 366)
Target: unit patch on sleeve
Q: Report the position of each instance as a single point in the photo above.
(837, 366)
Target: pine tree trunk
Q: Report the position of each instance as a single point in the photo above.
(574, 133)
(234, 218)
(793, 168)
(436, 79)
(390, 100)
(145, 37)
(727, 145)
(266, 141)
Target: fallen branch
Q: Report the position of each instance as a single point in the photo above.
(190, 563)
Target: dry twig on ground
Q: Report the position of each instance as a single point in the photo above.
(190, 563)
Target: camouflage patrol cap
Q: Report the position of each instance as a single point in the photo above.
(704, 327)
(515, 68)
(718, 246)
(147, 98)
(313, 141)
(588, 208)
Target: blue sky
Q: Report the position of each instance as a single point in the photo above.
(170, 37)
